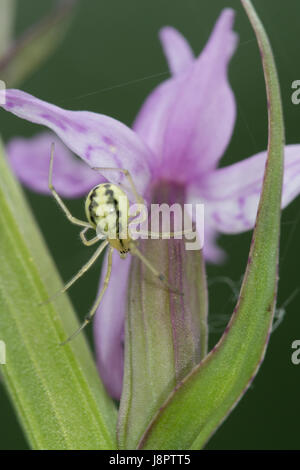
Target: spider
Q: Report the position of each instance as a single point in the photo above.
(102, 208)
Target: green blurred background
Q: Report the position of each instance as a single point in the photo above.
(108, 63)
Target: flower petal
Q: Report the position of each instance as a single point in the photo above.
(109, 326)
(188, 120)
(99, 140)
(231, 194)
(212, 252)
(203, 114)
(177, 50)
(150, 123)
(30, 159)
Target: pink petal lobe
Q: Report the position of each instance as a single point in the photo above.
(212, 252)
(99, 140)
(29, 158)
(109, 326)
(231, 194)
(177, 50)
(203, 114)
(151, 121)
(188, 120)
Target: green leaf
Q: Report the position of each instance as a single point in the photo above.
(55, 389)
(7, 17)
(28, 52)
(198, 406)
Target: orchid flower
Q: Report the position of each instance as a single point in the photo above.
(178, 139)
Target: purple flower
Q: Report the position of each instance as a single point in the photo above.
(178, 137)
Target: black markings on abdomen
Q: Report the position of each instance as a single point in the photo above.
(112, 200)
(93, 204)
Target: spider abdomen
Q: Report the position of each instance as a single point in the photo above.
(106, 209)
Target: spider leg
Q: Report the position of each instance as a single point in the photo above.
(93, 310)
(58, 199)
(79, 274)
(135, 251)
(85, 268)
(135, 192)
(166, 235)
(84, 240)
